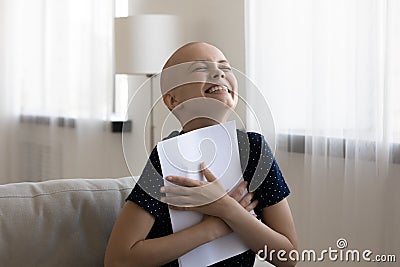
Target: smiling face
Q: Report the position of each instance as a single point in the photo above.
(218, 80)
(199, 71)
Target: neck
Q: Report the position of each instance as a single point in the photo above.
(199, 123)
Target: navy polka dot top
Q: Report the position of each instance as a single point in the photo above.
(257, 161)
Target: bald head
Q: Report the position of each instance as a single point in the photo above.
(193, 51)
(180, 67)
(187, 80)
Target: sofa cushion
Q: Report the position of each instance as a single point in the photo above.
(64, 222)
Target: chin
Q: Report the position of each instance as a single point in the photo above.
(214, 108)
(226, 100)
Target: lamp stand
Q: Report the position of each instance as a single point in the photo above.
(152, 111)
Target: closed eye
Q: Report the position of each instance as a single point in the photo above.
(225, 68)
(200, 69)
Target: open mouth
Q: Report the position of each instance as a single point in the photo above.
(217, 89)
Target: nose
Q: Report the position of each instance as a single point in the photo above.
(217, 73)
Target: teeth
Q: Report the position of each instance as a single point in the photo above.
(217, 88)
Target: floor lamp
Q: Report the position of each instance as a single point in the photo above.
(142, 45)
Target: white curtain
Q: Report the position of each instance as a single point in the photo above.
(330, 71)
(56, 88)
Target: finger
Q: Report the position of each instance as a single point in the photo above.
(176, 190)
(180, 201)
(207, 173)
(238, 192)
(183, 181)
(246, 200)
(252, 205)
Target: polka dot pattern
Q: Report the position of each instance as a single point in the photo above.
(258, 162)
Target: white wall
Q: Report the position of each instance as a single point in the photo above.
(219, 22)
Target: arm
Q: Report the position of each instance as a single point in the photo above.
(127, 245)
(278, 233)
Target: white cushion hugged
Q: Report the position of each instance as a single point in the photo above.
(56, 223)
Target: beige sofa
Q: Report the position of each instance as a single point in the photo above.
(59, 223)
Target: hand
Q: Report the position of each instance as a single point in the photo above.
(205, 197)
(245, 201)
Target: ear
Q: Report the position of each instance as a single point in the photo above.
(170, 100)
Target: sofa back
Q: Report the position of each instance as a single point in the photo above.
(57, 223)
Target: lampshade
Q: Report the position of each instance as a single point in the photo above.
(144, 42)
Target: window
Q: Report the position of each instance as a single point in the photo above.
(61, 58)
(328, 68)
